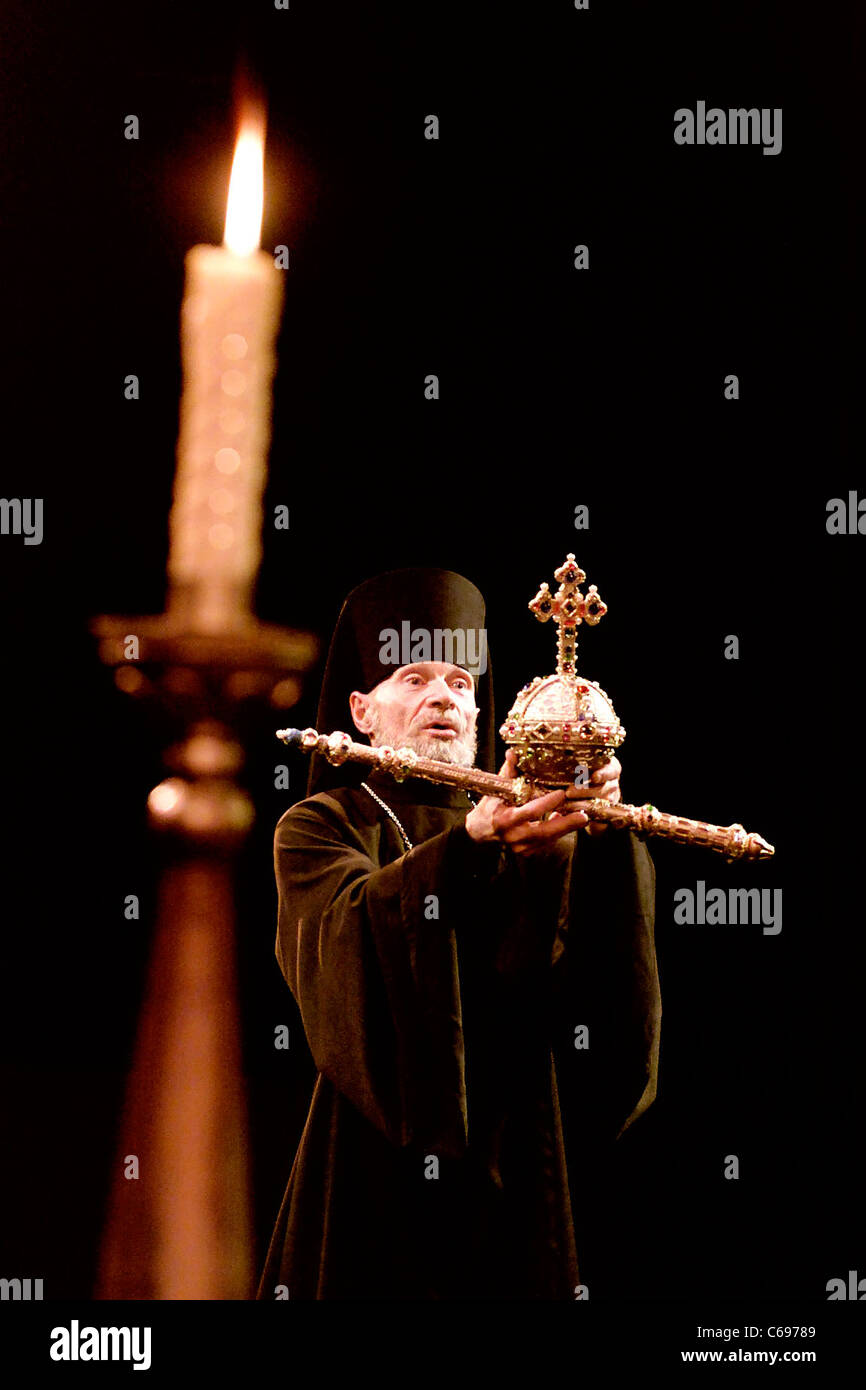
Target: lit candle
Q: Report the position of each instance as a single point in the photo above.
(229, 321)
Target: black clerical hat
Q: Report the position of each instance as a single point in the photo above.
(393, 620)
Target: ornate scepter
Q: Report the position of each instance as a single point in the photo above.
(338, 747)
(558, 725)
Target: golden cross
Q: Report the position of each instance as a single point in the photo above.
(569, 608)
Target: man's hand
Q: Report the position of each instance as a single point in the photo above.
(604, 783)
(522, 827)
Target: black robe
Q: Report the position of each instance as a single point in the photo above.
(440, 990)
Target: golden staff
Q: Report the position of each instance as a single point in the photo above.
(732, 840)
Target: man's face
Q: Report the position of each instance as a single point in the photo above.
(428, 707)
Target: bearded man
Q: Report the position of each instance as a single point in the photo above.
(444, 956)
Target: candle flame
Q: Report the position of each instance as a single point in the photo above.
(246, 189)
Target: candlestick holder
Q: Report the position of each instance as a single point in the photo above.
(181, 1228)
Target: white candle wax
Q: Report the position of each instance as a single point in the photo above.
(229, 322)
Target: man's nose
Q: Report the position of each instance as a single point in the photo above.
(439, 692)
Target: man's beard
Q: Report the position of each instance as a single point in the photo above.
(460, 750)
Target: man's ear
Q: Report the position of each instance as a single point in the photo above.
(360, 706)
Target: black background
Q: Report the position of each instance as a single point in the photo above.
(558, 388)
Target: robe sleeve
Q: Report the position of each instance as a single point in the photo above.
(607, 979)
(373, 966)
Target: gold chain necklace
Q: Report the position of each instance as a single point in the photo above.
(388, 812)
(387, 809)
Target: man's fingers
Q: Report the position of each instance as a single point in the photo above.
(545, 830)
(532, 810)
(509, 767)
(608, 772)
(607, 791)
